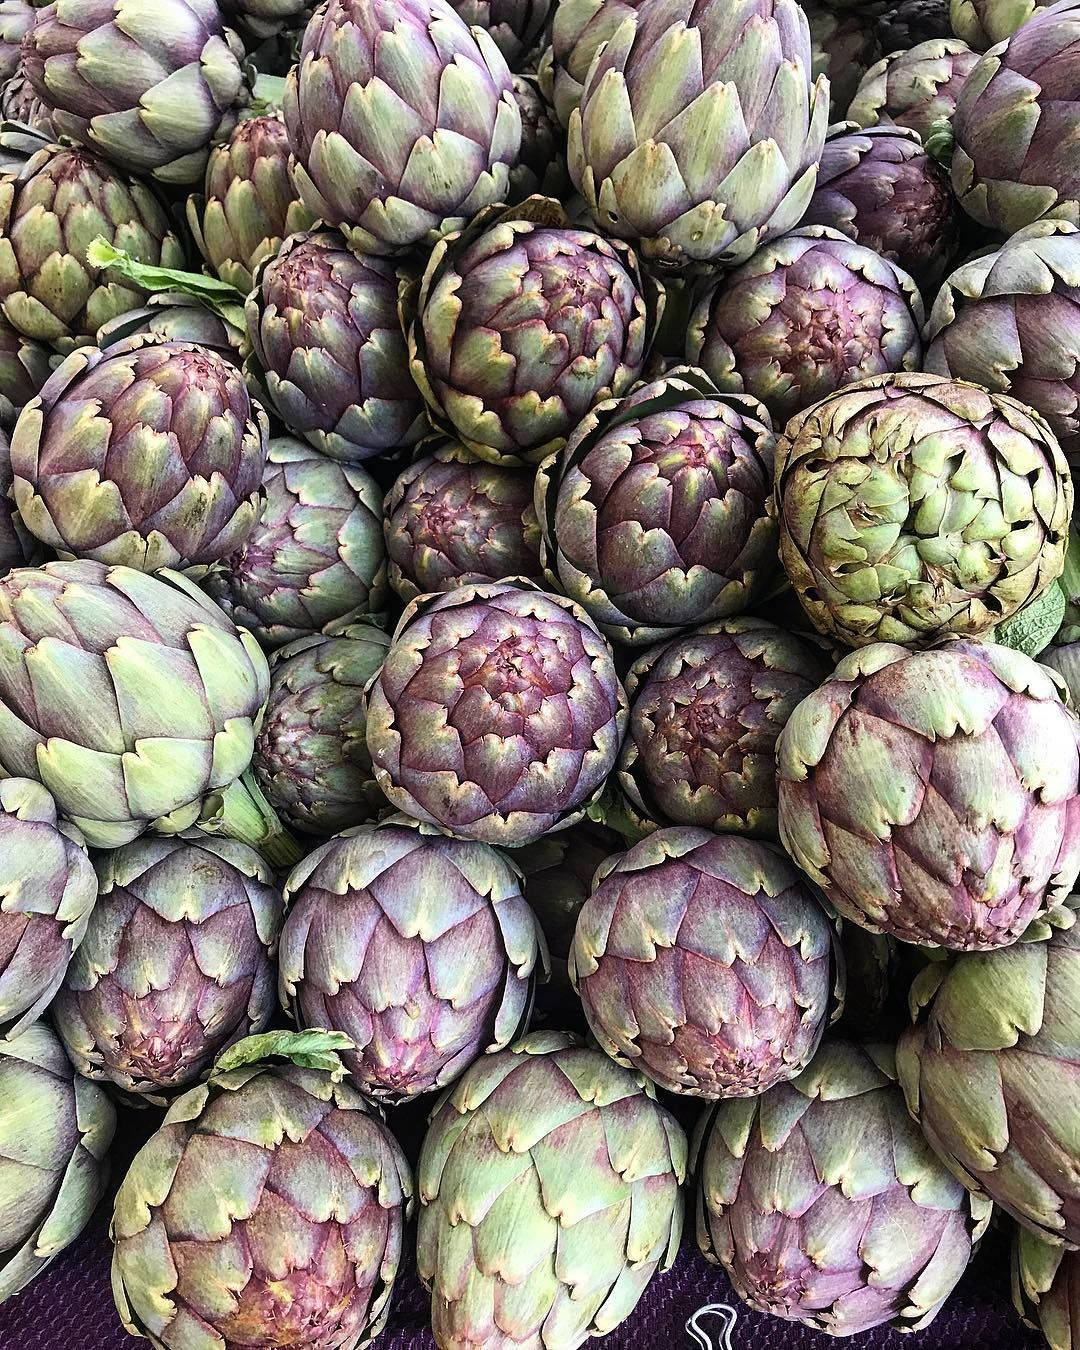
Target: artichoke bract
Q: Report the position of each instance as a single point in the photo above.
(515, 26)
(578, 29)
(454, 520)
(55, 1132)
(311, 757)
(328, 351)
(316, 554)
(1044, 1284)
(19, 103)
(992, 1074)
(519, 327)
(826, 1206)
(700, 128)
(148, 83)
(420, 948)
(177, 963)
(808, 314)
(705, 962)
(934, 795)
(497, 715)
(24, 368)
(912, 507)
(984, 23)
(130, 697)
(705, 713)
(521, 1244)
(47, 891)
(655, 516)
(289, 1189)
(439, 131)
(18, 547)
(916, 88)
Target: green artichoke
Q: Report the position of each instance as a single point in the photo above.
(911, 507)
(515, 26)
(541, 162)
(549, 1184)
(579, 28)
(844, 47)
(984, 23)
(311, 757)
(169, 316)
(267, 1209)
(19, 103)
(917, 88)
(24, 368)
(17, 546)
(825, 1205)
(1044, 1289)
(55, 1130)
(655, 516)
(935, 795)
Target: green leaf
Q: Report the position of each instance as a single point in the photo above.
(941, 143)
(268, 94)
(1032, 629)
(307, 1049)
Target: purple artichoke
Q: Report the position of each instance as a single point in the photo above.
(844, 47)
(655, 516)
(454, 520)
(497, 715)
(541, 162)
(916, 88)
(20, 103)
(579, 29)
(24, 368)
(935, 795)
(16, 20)
(148, 455)
(17, 547)
(705, 713)
(515, 26)
(438, 135)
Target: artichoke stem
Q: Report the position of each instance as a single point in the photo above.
(240, 811)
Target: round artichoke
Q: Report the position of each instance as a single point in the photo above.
(177, 963)
(579, 29)
(20, 103)
(328, 351)
(147, 455)
(808, 314)
(519, 328)
(16, 20)
(844, 47)
(267, 1209)
(515, 26)
(826, 1206)
(655, 516)
(984, 23)
(935, 795)
(916, 88)
(438, 132)
(549, 1184)
(250, 205)
(705, 712)
(55, 1130)
(991, 1071)
(24, 368)
(704, 961)
(311, 757)
(148, 83)
(541, 162)
(1044, 1289)
(911, 507)
(316, 554)
(497, 715)
(454, 520)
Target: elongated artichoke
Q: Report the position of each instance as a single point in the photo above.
(268, 1208)
(519, 327)
(148, 83)
(700, 128)
(934, 795)
(992, 1074)
(455, 520)
(655, 516)
(328, 351)
(916, 88)
(1044, 1289)
(497, 715)
(515, 26)
(826, 1206)
(912, 507)
(705, 712)
(440, 129)
(578, 30)
(55, 1132)
(311, 757)
(556, 1235)
(24, 368)
(984, 23)
(16, 20)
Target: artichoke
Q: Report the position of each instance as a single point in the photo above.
(984, 23)
(251, 203)
(55, 1130)
(934, 795)
(705, 962)
(845, 46)
(16, 20)
(906, 23)
(514, 26)
(992, 1074)
(316, 554)
(328, 351)
(911, 507)
(268, 1208)
(437, 135)
(808, 314)
(579, 29)
(263, 19)
(454, 520)
(497, 715)
(916, 88)
(148, 83)
(700, 128)
(170, 316)
(825, 1205)
(19, 103)
(655, 515)
(47, 890)
(520, 327)
(705, 712)
(17, 547)
(311, 757)
(549, 1184)
(541, 162)
(1044, 1289)
(24, 368)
